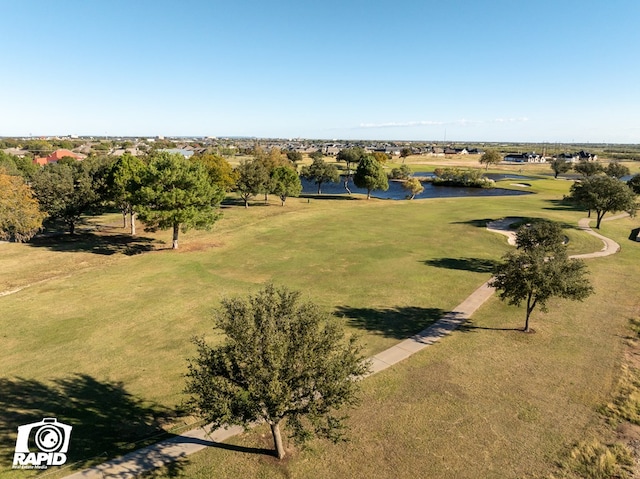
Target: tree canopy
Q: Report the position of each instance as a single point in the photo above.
(539, 270)
(616, 170)
(321, 172)
(176, 193)
(285, 182)
(68, 191)
(634, 184)
(413, 186)
(20, 215)
(588, 168)
(251, 178)
(603, 194)
(560, 166)
(370, 175)
(351, 156)
(282, 360)
(219, 170)
(490, 157)
(123, 181)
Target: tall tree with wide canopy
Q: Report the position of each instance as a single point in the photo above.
(219, 170)
(634, 184)
(251, 178)
(68, 191)
(560, 166)
(616, 170)
(123, 181)
(176, 193)
(588, 168)
(490, 157)
(351, 156)
(20, 214)
(285, 182)
(321, 172)
(540, 270)
(603, 194)
(283, 361)
(370, 175)
(413, 186)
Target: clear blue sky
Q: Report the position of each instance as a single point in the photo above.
(477, 70)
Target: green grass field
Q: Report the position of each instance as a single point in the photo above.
(99, 335)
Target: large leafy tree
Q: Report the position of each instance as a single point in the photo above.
(560, 166)
(413, 186)
(283, 361)
(603, 194)
(539, 270)
(351, 156)
(616, 170)
(285, 182)
(20, 215)
(66, 191)
(490, 157)
(123, 181)
(176, 193)
(634, 184)
(370, 175)
(319, 171)
(404, 153)
(251, 178)
(219, 170)
(588, 168)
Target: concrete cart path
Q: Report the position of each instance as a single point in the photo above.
(162, 453)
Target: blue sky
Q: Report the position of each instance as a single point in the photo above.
(473, 70)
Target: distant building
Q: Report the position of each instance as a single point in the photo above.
(56, 156)
(531, 157)
(184, 152)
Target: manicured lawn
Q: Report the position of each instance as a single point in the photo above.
(107, 335)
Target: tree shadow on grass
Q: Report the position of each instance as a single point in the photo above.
(103, 244)
(469, 327)
(475, 265)
(399, 322)
(562, 205)
(107, 420)
(479, 223)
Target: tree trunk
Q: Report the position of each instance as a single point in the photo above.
(277, 439)
(319, 185)
(599, 219)
(176, 229)
(72, 228)
(346, 182)
(368, 194)
(133, 223)
(283, 198)
(124, 218)
(530, 307)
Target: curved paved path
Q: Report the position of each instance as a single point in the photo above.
(133, 464)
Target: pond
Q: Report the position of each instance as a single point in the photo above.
(396, 192)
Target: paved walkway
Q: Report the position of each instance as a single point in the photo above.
(131, 465)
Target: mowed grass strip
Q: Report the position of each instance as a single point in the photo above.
(488, 401)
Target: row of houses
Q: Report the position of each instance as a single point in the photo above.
(533, 157)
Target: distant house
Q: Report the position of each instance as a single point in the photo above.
(531, 157)
(586, 156)
(56, 156)
(455, 151)
(569, 157)
(182, 151)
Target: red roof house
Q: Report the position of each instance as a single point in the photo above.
(57, 155)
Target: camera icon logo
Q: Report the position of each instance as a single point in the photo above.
(42, 444)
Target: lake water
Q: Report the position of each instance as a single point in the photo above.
(396, 192)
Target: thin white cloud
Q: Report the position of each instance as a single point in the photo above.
(461, 122)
